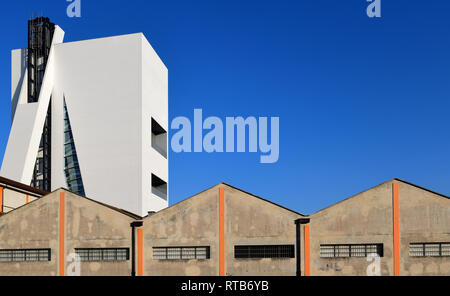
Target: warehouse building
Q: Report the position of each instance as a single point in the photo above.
(226, 231)
(221, 231)
(39, 238)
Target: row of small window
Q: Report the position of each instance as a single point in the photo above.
(240, 252)
(363, 250)
(39, 255)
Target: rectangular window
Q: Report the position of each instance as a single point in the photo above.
(181, 253)
(105, 254)
(25, 255)
(159, 138)
(429, 249)
(159, 187)
(350, 250)
(271, 251)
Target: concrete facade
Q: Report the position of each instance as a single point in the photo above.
(367, 218)
(86, 224)
(222, 218)
(249, 220)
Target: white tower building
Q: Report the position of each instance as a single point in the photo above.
(90, 116)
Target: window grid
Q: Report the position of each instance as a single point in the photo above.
(181, 253)
(264, 251)
(429, 249)
(105, 254)
(350, 250)
(25, 255)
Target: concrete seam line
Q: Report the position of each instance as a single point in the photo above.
(396, 222)
(61, 233)
(221, 232)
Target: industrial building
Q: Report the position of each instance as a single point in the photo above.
(406, 225)
(88, 115)
(229, 232)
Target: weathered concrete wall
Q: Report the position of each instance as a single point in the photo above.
(249, 220)
(195, 222)
(424, 218)
(33, 226)
(92, 225)
(368, 218)
(364, 218)
(252, 221)
(87, 225)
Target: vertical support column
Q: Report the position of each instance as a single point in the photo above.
(221, 232)
(62, 214)
(140, 243)
(396, 230)
(298, 224)
(307, 251)
(1, 200)
(28, 199)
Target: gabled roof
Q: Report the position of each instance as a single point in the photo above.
(263, 199)
(122, 211)
(423, 188)
(391, 180)
(225, 184)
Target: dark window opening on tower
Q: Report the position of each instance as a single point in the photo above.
(159, 138)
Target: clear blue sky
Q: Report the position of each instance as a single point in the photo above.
(360, 100)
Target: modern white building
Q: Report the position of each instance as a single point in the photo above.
(90, 116)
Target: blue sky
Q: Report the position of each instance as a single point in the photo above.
(360, 100)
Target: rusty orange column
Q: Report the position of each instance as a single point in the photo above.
(1, 199)
(307, 251)
(396, 231)
(221, 232)
(140, 243)
(62, 213)
(28, 198)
